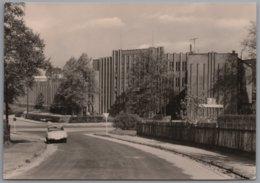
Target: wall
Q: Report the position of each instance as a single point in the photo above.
(231, 132)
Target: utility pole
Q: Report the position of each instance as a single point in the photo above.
(194, 42)
(27, 106)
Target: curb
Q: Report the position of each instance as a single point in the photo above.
(228, 169)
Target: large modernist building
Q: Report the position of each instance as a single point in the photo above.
(114, 73)
(195, 74)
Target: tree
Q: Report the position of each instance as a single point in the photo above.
(229, 87)
(119, 105)
(39, 101)
(249, 43)
(192, 110)
(77, 87)
(23, 56)
(53, 73)
(149, 87)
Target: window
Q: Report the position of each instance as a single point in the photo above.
(184, 66)
(171, 66)
(178, 66)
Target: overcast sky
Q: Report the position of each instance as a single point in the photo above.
(96, 29)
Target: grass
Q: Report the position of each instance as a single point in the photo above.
(119, 131)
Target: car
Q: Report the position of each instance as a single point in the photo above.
(56, 133)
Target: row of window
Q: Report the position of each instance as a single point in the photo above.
(177, 82)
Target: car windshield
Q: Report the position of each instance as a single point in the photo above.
(55, 128)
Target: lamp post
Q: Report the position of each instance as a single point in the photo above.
(27, 102)
(106, 116)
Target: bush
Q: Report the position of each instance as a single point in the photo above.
(39, 101)
(126, 121)
(43, 117)
(18, 113)
(158, 117)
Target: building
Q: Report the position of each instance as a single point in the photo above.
(219, 81)
(48, 88)
(222, 82)
(195, 75)
(114, 73)
(204, 72)
(41, 85)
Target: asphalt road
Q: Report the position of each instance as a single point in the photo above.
(84, 157)
(89, 158)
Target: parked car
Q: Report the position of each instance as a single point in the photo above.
(56, 133)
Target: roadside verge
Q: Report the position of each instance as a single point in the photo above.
(25, 152)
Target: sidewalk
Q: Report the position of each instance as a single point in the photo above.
(241, 166)
(23, 150)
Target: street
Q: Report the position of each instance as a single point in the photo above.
(90, 158)
(87, 157)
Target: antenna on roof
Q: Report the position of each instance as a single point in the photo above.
(194, 42)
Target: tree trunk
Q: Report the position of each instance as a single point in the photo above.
(6, 125)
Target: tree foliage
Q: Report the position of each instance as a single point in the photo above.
(77, 87)
(249, 42)
(149, 85)
(23, 52)
(126, 121)
(39, 101)
(53, 73)
(23, 55)
(230, 86)
(249, 45)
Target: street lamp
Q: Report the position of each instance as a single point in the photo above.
(106, 116)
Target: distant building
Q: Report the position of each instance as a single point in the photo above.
(41, 85)
(49, 88)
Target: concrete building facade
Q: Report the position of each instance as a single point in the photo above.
(203, 72)
(49, 89)
(114, 73)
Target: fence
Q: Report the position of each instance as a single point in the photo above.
(232, 132)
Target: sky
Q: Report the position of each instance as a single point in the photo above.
(70, 29)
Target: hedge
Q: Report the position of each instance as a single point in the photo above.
(126, 121)
(66, 118)
(42, 117)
